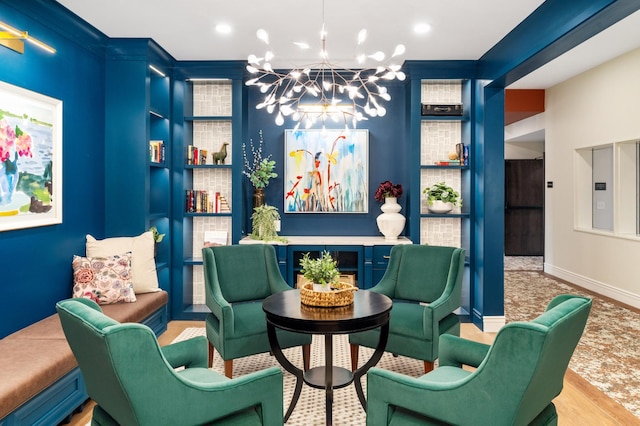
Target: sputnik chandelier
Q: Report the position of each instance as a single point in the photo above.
(324, 90)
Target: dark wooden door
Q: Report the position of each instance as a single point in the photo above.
(524, 208)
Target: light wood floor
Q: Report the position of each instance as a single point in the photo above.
(579, 404)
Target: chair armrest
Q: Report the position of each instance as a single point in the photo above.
(456, 351)
(187, 353)
(262, 389)
(450, 298)
(387, 390)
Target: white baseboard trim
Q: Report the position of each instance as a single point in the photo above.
(620, 295)
(493, 324)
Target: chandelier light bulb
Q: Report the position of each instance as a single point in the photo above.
(362, 36)
(263, 35)
(400, 49)
(378, 56)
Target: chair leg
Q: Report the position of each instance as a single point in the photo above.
(306, 356)
(210, 355)
(354, 356)
(228, 368)
(428, 366)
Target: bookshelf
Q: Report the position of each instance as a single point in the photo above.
(207, 189)
(137, 125)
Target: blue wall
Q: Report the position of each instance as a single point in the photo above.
(388, 147)
(35, 263)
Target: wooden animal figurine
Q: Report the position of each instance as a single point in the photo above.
(218, 157)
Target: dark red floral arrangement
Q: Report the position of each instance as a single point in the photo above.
(386, 190)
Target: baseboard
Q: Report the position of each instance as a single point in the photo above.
(617, 294)
(493, 324)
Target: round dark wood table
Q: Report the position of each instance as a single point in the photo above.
(369, 310)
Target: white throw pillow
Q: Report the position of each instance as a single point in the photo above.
(143, 263)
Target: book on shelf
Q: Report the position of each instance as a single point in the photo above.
(215, 238)
(201, 201)
(156, 151)
(193, 155)
(448, 163)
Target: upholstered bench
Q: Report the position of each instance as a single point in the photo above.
(40, 382)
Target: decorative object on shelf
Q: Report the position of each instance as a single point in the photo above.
(203, 156)
(442, 109)
(323, 87)
(219, 157)
(322, 271)
(340, 294)
(390, 222)
(260, 171)
(442, 198)
(263, 224)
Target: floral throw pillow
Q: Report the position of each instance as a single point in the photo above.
(104, 280)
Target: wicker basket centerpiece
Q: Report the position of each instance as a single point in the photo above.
(324, 270)
(341, 294)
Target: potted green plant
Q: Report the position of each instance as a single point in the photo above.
(157, 238)
(321, 271)
(442, 198)
(263, 223)
(259, 170)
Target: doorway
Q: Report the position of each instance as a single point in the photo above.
(524, 208)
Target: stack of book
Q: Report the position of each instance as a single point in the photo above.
(196, 156)
(201, 201)
(156, 151)
(448, 163)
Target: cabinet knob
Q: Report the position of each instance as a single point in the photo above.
(386, 257)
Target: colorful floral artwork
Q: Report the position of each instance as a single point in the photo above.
(326, 171)
(30, 158)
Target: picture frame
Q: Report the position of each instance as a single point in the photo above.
(326, 171)
(30, 158)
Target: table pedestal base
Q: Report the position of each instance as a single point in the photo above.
(316, 377)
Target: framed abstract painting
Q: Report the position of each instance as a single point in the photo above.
(326, 171)
(30, 158)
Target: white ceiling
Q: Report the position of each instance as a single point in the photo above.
(459, 30)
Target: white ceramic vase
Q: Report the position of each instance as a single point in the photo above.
(391, 222)
(440, 207)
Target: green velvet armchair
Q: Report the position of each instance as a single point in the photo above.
(133, 381)
(237, 279)
(514, 382)
(425, 284)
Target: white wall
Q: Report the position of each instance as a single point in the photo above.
(597, 107)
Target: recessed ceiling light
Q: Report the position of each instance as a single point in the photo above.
(223, 28)
(421, 28)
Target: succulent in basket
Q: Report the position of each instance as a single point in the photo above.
(322, 270)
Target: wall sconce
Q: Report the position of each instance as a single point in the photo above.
(13, 39)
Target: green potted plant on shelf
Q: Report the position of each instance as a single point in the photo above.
(321, 271)
(442, 198)
(263, 223)
(157, 238)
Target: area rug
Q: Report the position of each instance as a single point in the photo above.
(310, 409)
(608, 355)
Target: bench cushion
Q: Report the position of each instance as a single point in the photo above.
(36, 356)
